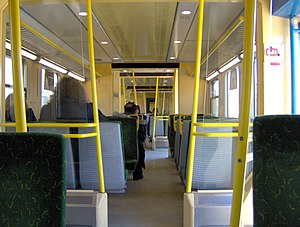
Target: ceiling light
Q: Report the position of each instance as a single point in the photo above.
(172, 58)
(24, 53)
(82, 13)
(53, 66)
(104, 42)
(212, 75)
(76, 76)
(241, 55)
(229, 64)
(8, 45)
(115, 58)
(82, 10)
(29, 55)
(177, 41)
(186, 12)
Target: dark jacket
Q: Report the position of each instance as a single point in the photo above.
(30, 116)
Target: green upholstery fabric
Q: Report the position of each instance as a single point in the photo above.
(33, 179)
(130, 139)
(276, 170)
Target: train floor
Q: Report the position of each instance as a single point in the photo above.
(155, 201)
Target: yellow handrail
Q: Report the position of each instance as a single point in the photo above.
(80, 136)
(19, 98)
(216, 134)
(46, 39)
(94, 94)
(53, 125)
(223, 38)
(134, 88)
(196, 95)
(219, 124)
(124, 90)
(155, 110)
(242, 143)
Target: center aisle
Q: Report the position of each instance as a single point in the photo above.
(155, 201)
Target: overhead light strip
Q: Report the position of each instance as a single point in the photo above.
(229, 64)
(212, 75)
(24, 53)
(53, 66)
(76, 76)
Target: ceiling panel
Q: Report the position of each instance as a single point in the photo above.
(140, 31)
(217, 19)
(66, 26)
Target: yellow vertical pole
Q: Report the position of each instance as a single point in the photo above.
(173, 92)
(242, 143)
(3, 6)
(260, 60)
(163, 104)
(176, 92)
(19, 98)
(124, 90)
(134, 89)
(155, 110)
(144, 98)
(94, 94)
(196, 95)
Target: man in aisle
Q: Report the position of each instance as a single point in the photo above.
(131, 108)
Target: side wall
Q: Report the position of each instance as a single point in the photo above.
(104, 89)
(277, 78)
(186, 89)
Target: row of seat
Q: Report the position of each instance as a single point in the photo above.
(276, 178)
(112, 155)
(213, 158)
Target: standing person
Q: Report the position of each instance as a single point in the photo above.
(131, 108)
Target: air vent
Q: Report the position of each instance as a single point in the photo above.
(184, 17)
(97, 60)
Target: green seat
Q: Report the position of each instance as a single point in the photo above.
(276, 170)
(33, 179)
(130, 140)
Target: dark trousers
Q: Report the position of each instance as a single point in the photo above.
(141, 161)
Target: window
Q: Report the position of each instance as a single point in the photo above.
(8, 76)
(49, 82)
(214, 97)
(233, 92)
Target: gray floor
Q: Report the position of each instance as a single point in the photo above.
(155, 201)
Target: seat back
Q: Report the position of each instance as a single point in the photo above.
(213, 164)
(130, 135)
(276, 169)
(69, 152)
(112, 157)
(33, 185)
(177, 142)
(184, 147)
(159, 131)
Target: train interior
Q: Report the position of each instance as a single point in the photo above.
(146, 52)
